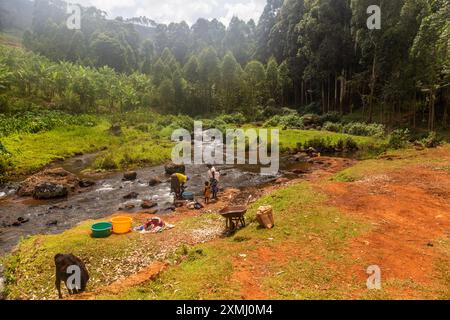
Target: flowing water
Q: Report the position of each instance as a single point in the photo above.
(106, 197)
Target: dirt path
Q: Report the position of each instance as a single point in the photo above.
(409, 209)
(410, 212)
(250, 271)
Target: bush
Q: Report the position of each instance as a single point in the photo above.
(363, 129)
(273, 122)
(431, 141)
(311, 120)
(399, 139)
(235, 118)
(350, 145)
(292, 121)
(320, 144)
(333, 127)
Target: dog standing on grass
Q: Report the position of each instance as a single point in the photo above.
(66, 266)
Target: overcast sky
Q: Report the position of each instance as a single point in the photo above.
(165, 11)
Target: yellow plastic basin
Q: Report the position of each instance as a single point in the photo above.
(121, 225)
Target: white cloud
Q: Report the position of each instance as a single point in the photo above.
(166, 11)
(245, 11)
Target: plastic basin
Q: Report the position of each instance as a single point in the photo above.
(121, 225)
(188, 195)
(101, 229)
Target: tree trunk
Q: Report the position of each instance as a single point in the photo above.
(323, 99)
(372, 87)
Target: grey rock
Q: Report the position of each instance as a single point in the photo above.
(49, 190)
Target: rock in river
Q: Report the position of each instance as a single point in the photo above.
(86, 183)
(172, 168)
(131, 195)
(148, 204)
(154, 181)
(130, 176)
(56, 176)
(49, 190)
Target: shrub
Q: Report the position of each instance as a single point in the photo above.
(234, 118)
(333, 127)
(399, 139)
(310, 120)
(350, 145)
(292, 121)
(363, 129)
(287, 111)
(273, 122)
(431, 141)
(320, 144)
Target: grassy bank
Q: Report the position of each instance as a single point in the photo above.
(305, 226)
(29, 152)
(29, 270)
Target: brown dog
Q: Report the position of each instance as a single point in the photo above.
(64, 263)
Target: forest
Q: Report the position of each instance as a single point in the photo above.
(313, 56)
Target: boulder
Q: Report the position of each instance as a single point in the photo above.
(131, 195)
(50, 190)
(86, 183)
(154, 181)
(130, 176)
(148, 204)
(172, 168)
(57, 176)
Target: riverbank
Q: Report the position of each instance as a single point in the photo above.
(135, 147)
(328, 227)
(394, 214)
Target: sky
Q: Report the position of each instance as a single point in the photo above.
(166, 11)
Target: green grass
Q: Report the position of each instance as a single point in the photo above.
(391, 160)
(289, 139)
(30, 270)
(301, 215)
(32, 151)
(134, 149)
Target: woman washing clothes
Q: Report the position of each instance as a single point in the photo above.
(178, 184)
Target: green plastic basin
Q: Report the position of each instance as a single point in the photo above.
(101, 230)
